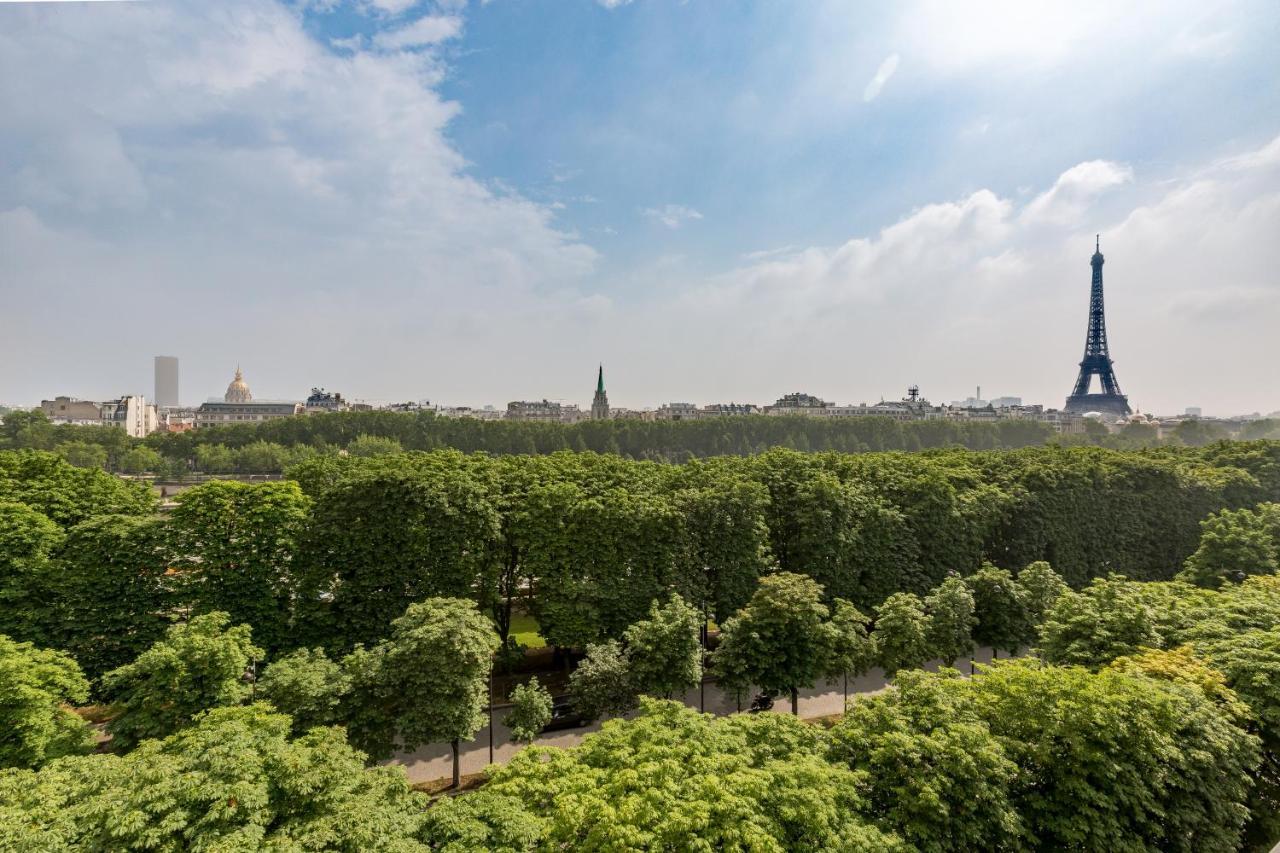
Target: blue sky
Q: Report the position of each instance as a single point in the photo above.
(477, 202)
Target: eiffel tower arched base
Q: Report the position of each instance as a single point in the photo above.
(1107, 404)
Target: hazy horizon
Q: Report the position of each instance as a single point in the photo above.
(479, 202)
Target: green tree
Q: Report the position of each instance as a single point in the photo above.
(238, 544)
(951, 620)
(308, 687)
(68, 495)
(902, 632)
(852, 649)
(1235, 544)
(27, 539)
(1197, 433)
(1000, 606)
(113, 591)
(1112, 761)
(426, 683)
(1043, 586)
(373, 445)
(781, 641)
(663, 651)
(671, 779)
(1250, 663)
(141, 460)
(728, 538)
(263, 457)
(1102, 622)
(530, 711)
(382, 539)
(215, 459)
(602, 685)
(600, 555)
(230, 781)
(935, 774)
(82, 454)
(26, 430)
(198, 665)
(36, 686)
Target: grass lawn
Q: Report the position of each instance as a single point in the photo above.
(525, 629)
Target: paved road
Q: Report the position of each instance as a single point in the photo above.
(435, 761)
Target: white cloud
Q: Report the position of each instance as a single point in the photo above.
(672, 215)
(1010, 34)
(882, 75)
(1075, 189)
(390, 7)
(212, 173)
(429, 30)
(986, 290)
(613, 4)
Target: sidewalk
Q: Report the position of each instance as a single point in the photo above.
(435, 761)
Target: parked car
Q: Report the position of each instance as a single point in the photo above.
(762, 702)
(565, 715)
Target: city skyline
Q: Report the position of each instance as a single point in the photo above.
(912, 393)
(720, 207)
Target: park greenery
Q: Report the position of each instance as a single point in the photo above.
(586, 543)
(254, 649)
(1167, 746)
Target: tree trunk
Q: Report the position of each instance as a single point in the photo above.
(457, 775)
(795, 701)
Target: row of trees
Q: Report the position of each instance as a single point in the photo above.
(273, 446)
(1151, 721)
(583, 542)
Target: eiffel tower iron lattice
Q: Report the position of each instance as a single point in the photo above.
(1097, 358)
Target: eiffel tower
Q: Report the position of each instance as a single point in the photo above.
(1097, 360)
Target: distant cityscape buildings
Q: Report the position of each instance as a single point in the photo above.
(132, 413)
(238, 406)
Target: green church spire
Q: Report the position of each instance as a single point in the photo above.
(600, 405)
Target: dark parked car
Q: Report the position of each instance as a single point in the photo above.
(762, 702)
(565, 715)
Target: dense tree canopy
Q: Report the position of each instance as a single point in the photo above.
(65, 493)
(36, 688)
(198, 665)
(113, 595)
(385, 538)
(1234, 545)
(666, 780)
(936, 776)
(231, 781)
(307, 686)
(236, 545)
(27, 541)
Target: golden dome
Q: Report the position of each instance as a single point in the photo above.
(238, 391)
